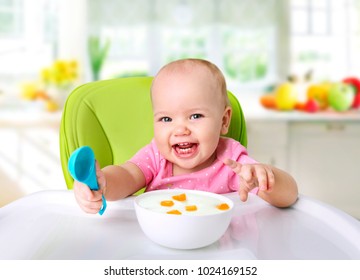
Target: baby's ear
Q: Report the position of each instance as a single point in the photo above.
(226, 120)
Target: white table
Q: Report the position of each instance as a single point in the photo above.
(50, 225)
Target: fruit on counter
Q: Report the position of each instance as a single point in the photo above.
(268, 101)
(311, 106)
(355, 83)
(341, 96)
(319, 92)
(286, 96)
(356, 102)
(300, 106)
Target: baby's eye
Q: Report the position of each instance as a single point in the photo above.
(165, 119)
(196, 116)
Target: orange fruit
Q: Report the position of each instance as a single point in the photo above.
(319, 92)
(268, 101)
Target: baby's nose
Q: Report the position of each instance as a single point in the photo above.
(181, 130)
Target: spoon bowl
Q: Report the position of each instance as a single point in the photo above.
(82, 168)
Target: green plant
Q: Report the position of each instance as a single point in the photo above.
(98, 53)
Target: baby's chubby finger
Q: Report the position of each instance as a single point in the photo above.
(262, 179)
(243, 194)
(90, 201)
(235, 166)
(266, 178)
(83, 191)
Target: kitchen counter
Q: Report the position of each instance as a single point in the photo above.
(22, 116)
(253, 111)
(320, 150)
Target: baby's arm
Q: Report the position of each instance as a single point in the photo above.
(115, 182)
(275, 185)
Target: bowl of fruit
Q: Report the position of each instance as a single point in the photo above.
(183, 219)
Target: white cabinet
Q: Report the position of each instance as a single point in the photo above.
(268, 142)
(325, 160)
(323, 156)
(29, 161)
(39, 163)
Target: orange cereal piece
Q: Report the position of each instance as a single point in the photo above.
(174, 212)
(223, 206)
(167, 203)
(180, 197)
(190, 208)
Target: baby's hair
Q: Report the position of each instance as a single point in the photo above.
(189, 63)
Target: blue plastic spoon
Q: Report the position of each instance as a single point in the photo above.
(82, 168)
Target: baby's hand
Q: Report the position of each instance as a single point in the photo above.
(252, 176)
(90, 201)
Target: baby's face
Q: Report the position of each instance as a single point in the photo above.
(189, 116)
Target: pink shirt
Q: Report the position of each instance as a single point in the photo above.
(217, 178)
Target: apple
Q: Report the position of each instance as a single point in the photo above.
(341, 96)
(355, 83)
(286, 96)
(356, 103)
(312, 106)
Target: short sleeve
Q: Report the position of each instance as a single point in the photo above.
(148, 160)
(230, 148)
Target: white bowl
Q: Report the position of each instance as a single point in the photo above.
(191, 229)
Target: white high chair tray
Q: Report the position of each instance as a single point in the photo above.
(50, 225)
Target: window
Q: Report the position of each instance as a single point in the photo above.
(11, 15)
(311, 17)
(323, 38)
(247, 54)
(239, 36)
(127, 53)
(28, 36)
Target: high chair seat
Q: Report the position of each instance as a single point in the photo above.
(114, 117)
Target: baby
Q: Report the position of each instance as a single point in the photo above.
(191, 112)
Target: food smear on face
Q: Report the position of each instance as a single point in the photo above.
(184, 204)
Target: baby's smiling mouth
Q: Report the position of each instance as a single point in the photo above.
(185, 148)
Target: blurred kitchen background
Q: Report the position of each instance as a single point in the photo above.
(48, 47)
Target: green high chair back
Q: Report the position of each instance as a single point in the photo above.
(114, 117)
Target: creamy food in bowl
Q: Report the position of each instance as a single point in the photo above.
(183, 219)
